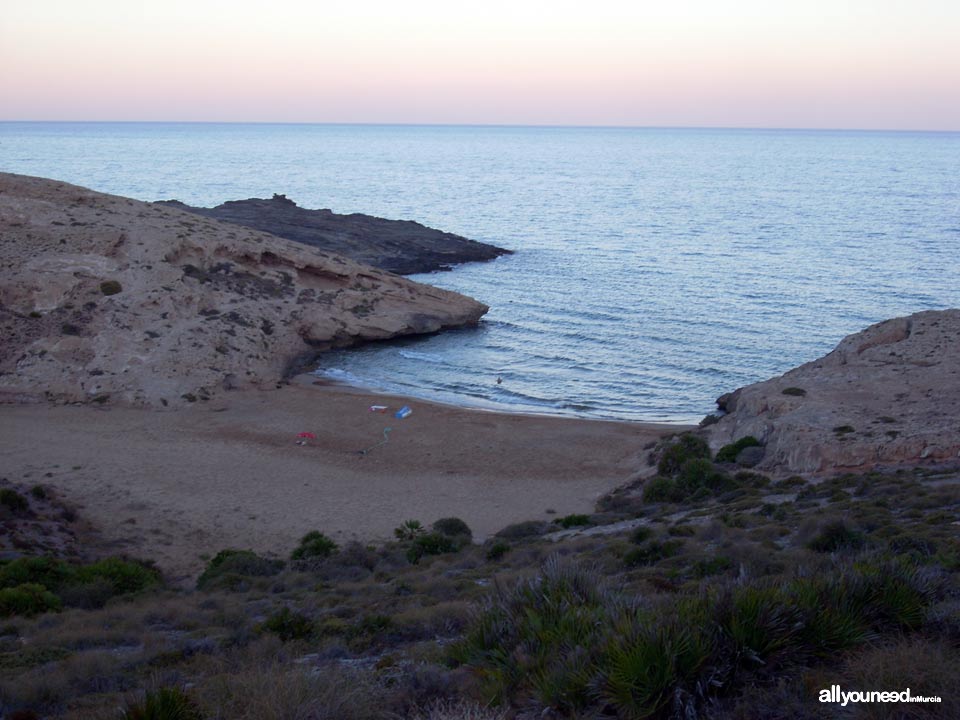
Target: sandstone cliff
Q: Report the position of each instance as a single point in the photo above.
(400, 246)
(106, 297)
(885, 397)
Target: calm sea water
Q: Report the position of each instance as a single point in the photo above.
(655, 268)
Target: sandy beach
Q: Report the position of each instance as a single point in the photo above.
(178, 485)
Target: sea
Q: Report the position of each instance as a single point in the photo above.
(654, 268)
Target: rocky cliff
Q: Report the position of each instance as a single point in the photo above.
(400, 246)
(104, 297)
(885, 397)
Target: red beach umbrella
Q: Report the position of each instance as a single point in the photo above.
(309, 435)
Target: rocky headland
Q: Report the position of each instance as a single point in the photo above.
(404, 247)
(886, 397)
(107, 298)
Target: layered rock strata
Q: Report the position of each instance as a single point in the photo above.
(107, 298)
(886, 397)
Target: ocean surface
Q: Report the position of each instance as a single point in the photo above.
(654, 270)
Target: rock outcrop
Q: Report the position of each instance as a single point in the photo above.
(399, 246)
(107, 297)
(886, 397)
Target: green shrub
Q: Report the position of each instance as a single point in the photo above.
(124, 576)
(110, 287)
(228, 566)
(408, 530)
(47, 571)
(314, 546)
(13, 501)
(686, 447)
(641, 534)
(27, 599)
(455, 528)
(662, 489)
(799, 392)
(288, 625)
(713, 566)
(653, 552)
(497, 550)
(163, 704)
(38, 492)
(569, 521)
(844, 429)
(431, 544)
(728, 453)
(700, 474)
(836, 536)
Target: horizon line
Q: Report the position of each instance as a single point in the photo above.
(540, 126)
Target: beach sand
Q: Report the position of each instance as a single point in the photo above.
(176, 486)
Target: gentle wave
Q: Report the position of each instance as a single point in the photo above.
(656, 269)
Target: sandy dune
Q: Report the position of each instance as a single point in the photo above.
(176, 485)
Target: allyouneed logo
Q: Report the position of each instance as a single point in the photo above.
(836, 695)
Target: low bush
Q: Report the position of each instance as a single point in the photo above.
(123, 576)
(313, 546)
(27, 599)
(569, 521)
(454, 527)
(696, 479)
(641, 534)
(110, 287)
(228, 566)
(652, 552)
(288, 625)
(431, 544)
(497, 550)
(713, 566)
(798, 392)
(836, 536)
(728, 453)
(44, 570)
(686, 447)
(13, 501)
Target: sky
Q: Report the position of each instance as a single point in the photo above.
(866, 64)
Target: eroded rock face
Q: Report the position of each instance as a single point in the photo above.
(885, 397)
(106, 296)
(400, 246)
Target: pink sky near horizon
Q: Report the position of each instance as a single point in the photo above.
(885, 64)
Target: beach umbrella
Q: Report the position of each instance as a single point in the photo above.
(308, 435)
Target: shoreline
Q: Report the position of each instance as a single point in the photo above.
(179, 485)
(477, 403)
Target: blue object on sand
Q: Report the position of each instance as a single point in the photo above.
(402, 412)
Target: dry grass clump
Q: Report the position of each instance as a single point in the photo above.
(280, 692)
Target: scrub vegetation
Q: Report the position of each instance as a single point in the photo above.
(718, 594)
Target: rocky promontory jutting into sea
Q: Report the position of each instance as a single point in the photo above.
(103, 297)
(885, 398)
(404, 247)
